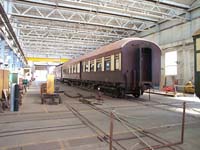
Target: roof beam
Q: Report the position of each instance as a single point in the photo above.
(89, 7)
(101, 21)
(84, 18)
(171, 3)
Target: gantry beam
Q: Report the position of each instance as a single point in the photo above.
(90, 37)
(36, 59)
(74, 27)
(142, 10)
(171, 3)
(84, 18)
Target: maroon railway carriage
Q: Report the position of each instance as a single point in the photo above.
(58, 72)
(128, 66)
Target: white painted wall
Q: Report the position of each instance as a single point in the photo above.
(174, 35)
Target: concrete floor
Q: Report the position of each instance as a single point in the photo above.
(55, 127)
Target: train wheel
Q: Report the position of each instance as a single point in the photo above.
(60, 100)
(136, 95)
(122, 93)
(118, 93)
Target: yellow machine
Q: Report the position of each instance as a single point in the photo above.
(50, 84)
(47, 90)
(189, 88)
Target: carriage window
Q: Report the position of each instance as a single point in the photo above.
(86, 67)
(92, 66)
(74, 68)
(107, 64)
(70, 69)
(99, 66)
(78, 68)
(117, 62)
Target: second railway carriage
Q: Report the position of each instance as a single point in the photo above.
(130, 66)
(58, 72)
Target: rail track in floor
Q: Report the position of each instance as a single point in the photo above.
(41, 130)
(145, 102)
(101, 135)
(143, 133)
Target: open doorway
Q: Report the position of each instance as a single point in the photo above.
(146, 65)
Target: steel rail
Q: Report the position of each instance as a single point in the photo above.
(156, 138)
(139, 129)
(37, 119)
(103, 136)
(40, 130)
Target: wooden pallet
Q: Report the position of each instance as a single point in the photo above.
(45, 96)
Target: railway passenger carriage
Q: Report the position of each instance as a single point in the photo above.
(130, 65)
(58, 72)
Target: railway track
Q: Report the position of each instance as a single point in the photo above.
(102, 135)
(151, 103)
(29, 113)
(40, 130)
(136, 128)
(36, 119)
(143, 133)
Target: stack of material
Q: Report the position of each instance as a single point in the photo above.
(43, 88)
(4, 82)
(47, 90)
(4, 86)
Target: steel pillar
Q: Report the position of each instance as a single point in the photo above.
(2, 50)
(14, 61)
(10, 61)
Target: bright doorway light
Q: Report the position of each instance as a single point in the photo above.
(171, 63)
(51, 69)
(40, 75)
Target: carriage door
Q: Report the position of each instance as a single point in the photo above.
(61, 73)
(81, 70)
(145, 65)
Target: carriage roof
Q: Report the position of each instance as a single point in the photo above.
(107, 48)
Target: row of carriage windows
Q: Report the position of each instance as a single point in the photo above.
(109, 63)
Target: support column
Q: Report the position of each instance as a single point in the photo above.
(2, 50)
(18, 63)
(185, 59)
(21, 64)
(10, 61)
(162, 81)
(14, 61)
